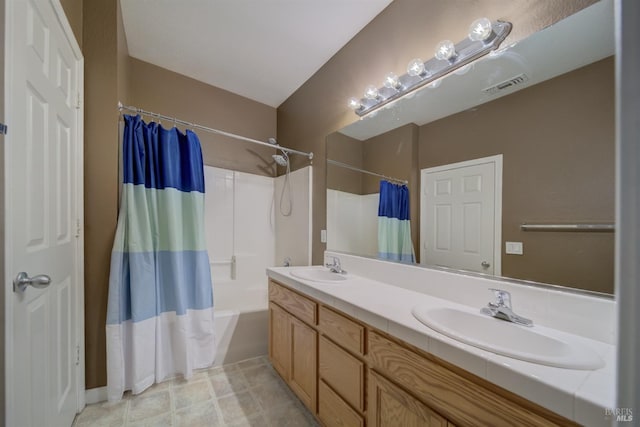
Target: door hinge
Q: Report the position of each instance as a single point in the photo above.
(78, 101)
(3, 129)
(77, 355)
(78, 229)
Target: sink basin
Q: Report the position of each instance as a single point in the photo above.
(507, 339)
(318, 275)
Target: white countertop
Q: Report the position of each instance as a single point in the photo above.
(578, 395)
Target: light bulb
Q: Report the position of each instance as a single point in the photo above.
(354, 103)
(480, 29)
(445, 50)
(371, 92)
(391, 81)
(415, 67)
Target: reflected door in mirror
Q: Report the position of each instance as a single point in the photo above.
(461, 216)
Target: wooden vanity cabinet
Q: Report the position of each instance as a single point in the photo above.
(319, 353)
(293, 343)
(416, 384)
(329, 360)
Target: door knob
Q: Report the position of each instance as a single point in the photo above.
(485, 264)
(23, 280)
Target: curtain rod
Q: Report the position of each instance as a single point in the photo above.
(353, 168)
(208, 129)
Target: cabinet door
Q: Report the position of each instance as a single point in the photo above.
(333, 411)
(279, 340)
(303, 374)
(392, 406)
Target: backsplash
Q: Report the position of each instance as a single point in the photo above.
(589, 316)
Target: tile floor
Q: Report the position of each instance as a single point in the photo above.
(247, 393)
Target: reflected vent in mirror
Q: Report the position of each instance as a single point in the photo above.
(513, 81)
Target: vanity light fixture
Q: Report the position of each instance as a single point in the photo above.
(354, 103)
(416, 68)
(446, 50)
(484, 37)
(371, 92)
(391, 81)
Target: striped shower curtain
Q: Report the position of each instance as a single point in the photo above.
(394, 227)
(160, 307)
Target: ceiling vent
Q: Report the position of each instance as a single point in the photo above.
(513, 81)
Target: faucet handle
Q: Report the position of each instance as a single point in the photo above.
(503, 298)
(335, 261)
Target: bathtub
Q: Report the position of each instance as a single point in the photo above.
(241, 321)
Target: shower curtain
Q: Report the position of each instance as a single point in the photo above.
(160, 307)
(394, 227)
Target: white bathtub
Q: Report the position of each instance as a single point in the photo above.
(241, 321)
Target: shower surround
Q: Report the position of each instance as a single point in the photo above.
(246, 233)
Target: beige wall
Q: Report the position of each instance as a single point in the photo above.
(393, 154)
(73, 10)
(163, 91)
(404, 30)
(346, 150)
(558, 144)
(100, 48)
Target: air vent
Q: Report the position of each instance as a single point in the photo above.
(513, 81)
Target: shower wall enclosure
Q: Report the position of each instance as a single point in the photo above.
(242, 224)
(352, 222)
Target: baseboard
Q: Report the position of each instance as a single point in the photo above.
(95, 395)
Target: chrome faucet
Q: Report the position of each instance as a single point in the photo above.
(501, 308)
(335, 266)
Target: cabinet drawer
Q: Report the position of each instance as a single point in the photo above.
(301, 307)
(345, 332)
(456, 397)
(342, 372)
(333, 411)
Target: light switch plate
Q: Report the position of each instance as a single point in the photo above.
(323, 236)
(514, 248)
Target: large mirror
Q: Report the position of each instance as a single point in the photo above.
(509, 163)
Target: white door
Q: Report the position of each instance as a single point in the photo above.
(43, 184)
(461, 215)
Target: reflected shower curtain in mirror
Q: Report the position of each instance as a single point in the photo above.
(394, 227)
(160, 307)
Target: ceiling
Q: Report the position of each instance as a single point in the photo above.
(260, 49)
